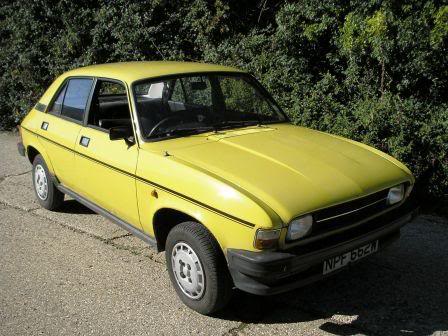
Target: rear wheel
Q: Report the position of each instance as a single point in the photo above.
(46, 192)
(197, 268)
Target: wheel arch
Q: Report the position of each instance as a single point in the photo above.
(32, 152)
(165, 219)
(34, 149)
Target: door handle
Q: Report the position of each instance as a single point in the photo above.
(44, 125)
(84, 141)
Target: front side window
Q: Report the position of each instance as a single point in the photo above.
(76, 97)
(191, 104)
(109, 107)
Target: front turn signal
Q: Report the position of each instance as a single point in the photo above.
(266, 239)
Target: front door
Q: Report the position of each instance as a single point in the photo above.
(106, 168)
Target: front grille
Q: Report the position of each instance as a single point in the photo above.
(349, 213)
(354, 232)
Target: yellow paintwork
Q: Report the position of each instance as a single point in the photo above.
(108, 188)
(261, 175)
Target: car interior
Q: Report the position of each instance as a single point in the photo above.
(164, 105)
(110, 108)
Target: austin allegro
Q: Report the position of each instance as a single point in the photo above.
(199, 161)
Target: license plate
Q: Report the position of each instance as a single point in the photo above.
(342, 260)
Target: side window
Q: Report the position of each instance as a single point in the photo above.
(57, 104)
(109, 106)
(111, 88)
(76, 96)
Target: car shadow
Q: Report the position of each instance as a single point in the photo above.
(74, 207)
(401, 290)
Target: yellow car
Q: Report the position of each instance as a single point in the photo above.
(199, 161)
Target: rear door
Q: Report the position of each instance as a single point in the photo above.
(60, 126)
(105, 168)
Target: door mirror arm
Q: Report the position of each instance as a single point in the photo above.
(130, 141)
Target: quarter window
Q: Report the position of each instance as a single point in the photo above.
(57, 105)
(76, 96)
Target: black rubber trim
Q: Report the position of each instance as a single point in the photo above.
(40, 107)
(101, 211)
(21, 148)
(154, 184)
(273, 272)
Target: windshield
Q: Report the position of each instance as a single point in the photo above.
(190, 104)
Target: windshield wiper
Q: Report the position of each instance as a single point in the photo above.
(234, 124)
(183, 131)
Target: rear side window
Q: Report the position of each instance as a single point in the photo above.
(75, 99)
(57, 104)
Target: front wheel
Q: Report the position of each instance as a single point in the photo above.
(197, 268)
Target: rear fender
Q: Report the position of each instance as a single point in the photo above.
(32, 140)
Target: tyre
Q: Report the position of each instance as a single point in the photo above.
(197, 268)
(48, 196)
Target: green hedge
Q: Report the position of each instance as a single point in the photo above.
(370, 70)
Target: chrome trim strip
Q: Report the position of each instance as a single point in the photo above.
(349, 212)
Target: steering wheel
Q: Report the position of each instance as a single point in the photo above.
(162, 122)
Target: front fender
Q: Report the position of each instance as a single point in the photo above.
(228, 232)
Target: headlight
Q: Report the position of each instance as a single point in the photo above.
(396, 194)
(299, 227)
(266, 239)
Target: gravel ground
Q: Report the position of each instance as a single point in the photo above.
(73, 272)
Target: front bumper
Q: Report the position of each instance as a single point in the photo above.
(273, 272)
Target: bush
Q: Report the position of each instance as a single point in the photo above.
(373, 71)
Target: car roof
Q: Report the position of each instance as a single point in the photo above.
(130, 72)
(133, 71)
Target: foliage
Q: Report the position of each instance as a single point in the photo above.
(374, 71)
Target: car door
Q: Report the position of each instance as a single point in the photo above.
(60, 126)
(106, 168)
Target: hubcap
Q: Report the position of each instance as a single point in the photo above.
(40, 182)
(188, 271)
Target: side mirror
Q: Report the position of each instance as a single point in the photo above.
(122, 132)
